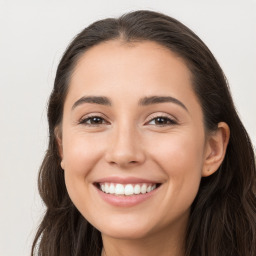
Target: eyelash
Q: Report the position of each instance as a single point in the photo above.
(164, 118)
(90, 118)
(167, 119)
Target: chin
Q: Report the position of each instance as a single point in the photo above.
(125, 228)
(125, 233)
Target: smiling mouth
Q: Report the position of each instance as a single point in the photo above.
(119, 189)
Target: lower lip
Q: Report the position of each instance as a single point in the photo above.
(125, 201)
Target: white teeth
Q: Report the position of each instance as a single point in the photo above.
(106, 188)
(128, 189)
(143, 189)
(111, 189)
(137, 189)
(119, 189)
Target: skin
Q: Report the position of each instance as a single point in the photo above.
(128, 141)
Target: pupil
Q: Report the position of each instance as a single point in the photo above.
(161, 120)
(96, 120)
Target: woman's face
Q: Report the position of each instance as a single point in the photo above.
(133, 127)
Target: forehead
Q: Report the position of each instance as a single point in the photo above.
(130, 70)
(123, 59)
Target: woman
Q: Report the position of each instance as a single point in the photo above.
(147, 155)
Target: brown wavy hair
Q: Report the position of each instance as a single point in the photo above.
(223, 215)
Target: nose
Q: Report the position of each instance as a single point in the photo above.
(125, 148)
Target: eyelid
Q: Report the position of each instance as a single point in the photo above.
(155, 115)
(91, 115)
(150, 118)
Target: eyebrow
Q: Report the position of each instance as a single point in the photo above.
(102, 100)
(160, 99)
(93, 99)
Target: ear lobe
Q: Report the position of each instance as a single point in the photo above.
(58, 137)
(62, 164)
(217, 143)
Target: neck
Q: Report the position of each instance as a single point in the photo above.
(170, 242)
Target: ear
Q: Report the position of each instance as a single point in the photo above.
(215, 150)
(58, 137)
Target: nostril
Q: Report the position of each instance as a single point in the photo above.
(123, 163)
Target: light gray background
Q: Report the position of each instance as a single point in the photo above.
(34, 34)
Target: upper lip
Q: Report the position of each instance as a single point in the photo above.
(125, 180)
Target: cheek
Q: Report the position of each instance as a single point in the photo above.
(181, 159)
(81, 152)
(179, 152)
(80, 155)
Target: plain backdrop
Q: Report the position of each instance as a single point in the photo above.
(33, 36)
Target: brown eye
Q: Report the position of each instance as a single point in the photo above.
(96, 120)
(162, 121)
(93, 120)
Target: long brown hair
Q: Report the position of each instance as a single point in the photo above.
(223, 214)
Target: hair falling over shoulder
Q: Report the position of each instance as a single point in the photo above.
(223, 215)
